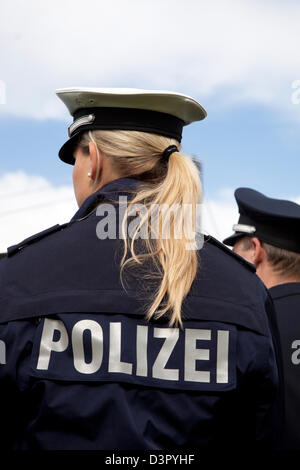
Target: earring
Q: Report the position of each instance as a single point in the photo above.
(89, 174)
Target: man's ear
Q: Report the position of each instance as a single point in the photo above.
(94, 160)
(257, 251)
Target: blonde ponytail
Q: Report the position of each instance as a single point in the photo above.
(166, 185)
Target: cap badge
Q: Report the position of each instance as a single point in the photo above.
(81, 122)
(244, 228)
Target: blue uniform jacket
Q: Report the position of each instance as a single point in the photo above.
(81, 368)
(286, 298)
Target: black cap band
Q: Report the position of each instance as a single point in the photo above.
(107, 118)
(132, 119)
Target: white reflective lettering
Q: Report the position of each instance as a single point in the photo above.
(115, 364)
(2, 352)
(141, 351)
(159, 371)
(192, 354)
(222, 357)
(47, 343)
(80, 363)
(88, 335)
(296, 354)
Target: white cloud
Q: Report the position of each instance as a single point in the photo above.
(296, 199)
(219, 214)
(223, 49)
(29, 204)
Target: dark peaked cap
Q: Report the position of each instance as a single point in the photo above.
(273, 221)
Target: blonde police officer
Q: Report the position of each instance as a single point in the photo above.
(116, 332)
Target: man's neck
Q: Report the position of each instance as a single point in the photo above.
(271, 278)
(275, 279)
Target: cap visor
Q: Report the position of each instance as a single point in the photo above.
(230, 241)
(67, 150)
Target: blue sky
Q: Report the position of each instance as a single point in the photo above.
(250, 146)
(240, 60)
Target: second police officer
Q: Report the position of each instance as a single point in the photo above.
(115, 339)
(268, 235)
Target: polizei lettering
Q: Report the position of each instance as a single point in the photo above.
(100, 348)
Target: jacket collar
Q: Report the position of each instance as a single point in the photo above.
(285, 290)
(112, 190)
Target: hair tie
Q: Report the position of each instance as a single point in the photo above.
(168, 151)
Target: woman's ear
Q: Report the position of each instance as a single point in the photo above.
(96, 160)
